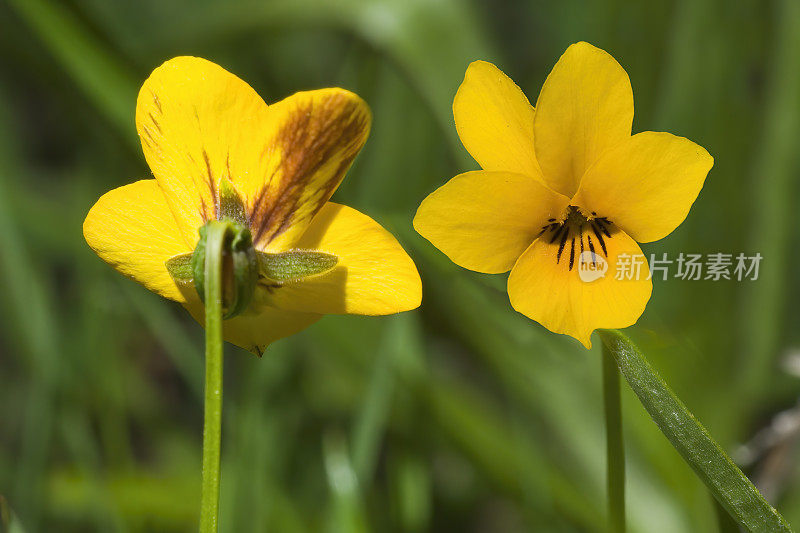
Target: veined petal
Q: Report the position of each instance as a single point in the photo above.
(132, 229)
(373, 276)
(549, 292)
(646, 184)
(483, 220)
(584, 108)
(198, 122)
(314, 137)
(495, 120)
(254, 330)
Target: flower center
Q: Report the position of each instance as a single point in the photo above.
(588, 231)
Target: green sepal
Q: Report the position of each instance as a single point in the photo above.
(245, 272)
(294, 265)
(180, 268)
(239, 270)
(231, 206)
(199, 264)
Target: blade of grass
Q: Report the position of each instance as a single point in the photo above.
(773, 177)
(9, 523)
(27, 296)
(95, 71)
(371, 420)
(722, 477)
(347, 512)
(411, 487)
(164, 326)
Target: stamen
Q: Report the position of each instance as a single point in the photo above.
(575, 220)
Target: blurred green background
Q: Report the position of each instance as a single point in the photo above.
(460, 416)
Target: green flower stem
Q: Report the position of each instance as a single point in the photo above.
(720, 474)
(615, 450)
(212, 425)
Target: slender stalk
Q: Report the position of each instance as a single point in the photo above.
(715, 468)
(615, 451)
(212, 425)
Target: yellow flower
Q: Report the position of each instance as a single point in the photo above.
(564, 178)
(203, 129)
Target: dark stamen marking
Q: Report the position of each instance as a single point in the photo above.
(149, 135)
(600, 239)
(561, 244)
(212, 186)
(155, 122)
(591, 248)
(602, 223)
(557, 234)
(572, 253)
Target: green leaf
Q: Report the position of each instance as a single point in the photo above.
(295, 264)
(722, 477)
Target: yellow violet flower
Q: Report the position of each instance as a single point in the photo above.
(564, 187)
(204, 130)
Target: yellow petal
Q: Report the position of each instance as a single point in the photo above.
(315, 136)
(255, 330)
(646, 184)
(483, 220)
(132, 229)
(199, 123)
(584, 108)
(374, 275)
(549, 292)
(495, 120)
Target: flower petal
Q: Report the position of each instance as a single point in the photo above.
(495, 120)
(483, 220)
(584, 108)
(554, 295)
(315, 137)
(199, 123)
(254, 331)
(374, 275)
(132, 229)
(646, 184)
